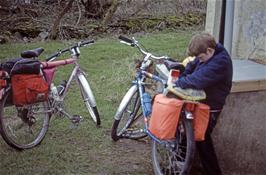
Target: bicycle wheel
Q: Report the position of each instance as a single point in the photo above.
(89, 99)
(23, 127)
(175, 157)
(128, 123)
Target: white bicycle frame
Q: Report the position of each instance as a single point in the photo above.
(83, 84)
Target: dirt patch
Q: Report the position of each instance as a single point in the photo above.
(126, 157)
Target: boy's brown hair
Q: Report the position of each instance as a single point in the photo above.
(199, 44)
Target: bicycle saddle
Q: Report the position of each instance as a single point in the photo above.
(187, 94)
(172, 64)
(32, 53)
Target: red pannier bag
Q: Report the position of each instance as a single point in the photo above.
(28, 89)
(164, 117)
(201, 119)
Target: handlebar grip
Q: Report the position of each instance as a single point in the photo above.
(83, 43)
(123, 38)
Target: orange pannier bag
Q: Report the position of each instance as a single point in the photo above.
(201, 119)
(28, 89)
(165, 116)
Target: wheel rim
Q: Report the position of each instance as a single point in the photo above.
(24, 127)
(129, 118)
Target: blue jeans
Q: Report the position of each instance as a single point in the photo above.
(206, 150)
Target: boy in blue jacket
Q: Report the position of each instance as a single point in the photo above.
(210, 71)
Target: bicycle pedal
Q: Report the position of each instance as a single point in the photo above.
(76, 119)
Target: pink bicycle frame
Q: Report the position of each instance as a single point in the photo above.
(49, 68)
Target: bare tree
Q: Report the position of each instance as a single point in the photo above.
(96, 9)
(108, 16)
(54, 28)
(93, 8)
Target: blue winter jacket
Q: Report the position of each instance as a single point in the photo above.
(213, 76)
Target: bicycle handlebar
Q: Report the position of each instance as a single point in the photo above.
(134, 43)
(77, 45)
(84, 43)
(123, 38)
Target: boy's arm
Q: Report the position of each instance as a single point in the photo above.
(206, 76)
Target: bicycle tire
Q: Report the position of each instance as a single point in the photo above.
(129, 126)
(18, 125)
(88, 96)
(177, 160)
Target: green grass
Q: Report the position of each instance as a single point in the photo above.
(87, 149)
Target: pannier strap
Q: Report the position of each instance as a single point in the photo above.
(57, 63)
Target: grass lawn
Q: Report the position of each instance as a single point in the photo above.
(87, 149)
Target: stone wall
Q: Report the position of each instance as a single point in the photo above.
(240, 134)
(249, 34)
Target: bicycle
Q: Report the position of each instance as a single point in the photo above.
(133, 97)
(23, 127)
(168, 156)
